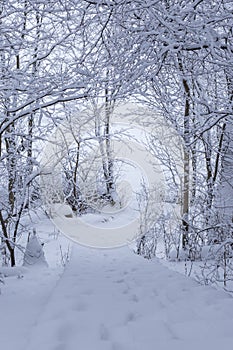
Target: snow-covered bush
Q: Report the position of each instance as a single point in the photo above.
(34, 254)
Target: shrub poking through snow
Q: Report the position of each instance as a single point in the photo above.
(34, 254)
(1, 278)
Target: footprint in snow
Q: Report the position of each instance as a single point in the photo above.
(120, 281)
(104, 332)
(64, 332)
(125, 291)
(134, 298)
(130, 317)
(155, 293)
(81, 307)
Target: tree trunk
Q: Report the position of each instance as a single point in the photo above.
(186, 180)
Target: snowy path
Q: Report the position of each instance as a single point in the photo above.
(115, 300)
(21, 301)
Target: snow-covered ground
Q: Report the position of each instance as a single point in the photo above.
(111, 300)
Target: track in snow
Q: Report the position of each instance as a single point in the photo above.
(115, 300)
